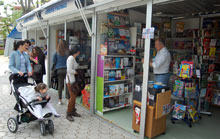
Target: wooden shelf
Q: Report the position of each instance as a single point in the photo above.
(118, 95)
(215, 105)
(118, 14)
(116, 81)
(138, 76)
(180, 50)
(117, 39)
(113, 26)
(118, 68)
(120, 55)
(115, 108)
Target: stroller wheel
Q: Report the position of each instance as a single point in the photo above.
(43, 128)
(50, 126)
(12, 125)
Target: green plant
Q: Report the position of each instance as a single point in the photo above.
(1, 52)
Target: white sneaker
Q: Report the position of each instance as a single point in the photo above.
(60, 103)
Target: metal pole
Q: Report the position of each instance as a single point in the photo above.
(146, 72)
(93, 63)
(48, 55)
(65, 35)
(35, 37)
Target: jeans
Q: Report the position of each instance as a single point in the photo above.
(61, 73)
(164, 78)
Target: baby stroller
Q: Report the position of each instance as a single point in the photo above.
(23, 88)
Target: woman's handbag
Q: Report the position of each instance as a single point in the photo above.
(38, 68)
(74, 86)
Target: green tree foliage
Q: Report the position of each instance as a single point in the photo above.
(9, 21)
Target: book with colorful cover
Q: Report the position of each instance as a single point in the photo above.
(179, 111)
(118, 62)
(212, 51)
(121, 88)
(103, 49)
(112, 90)
(179, 27)
(193, 114)
(106, 91)
(118, 75)
(116, 21)
(111, 19)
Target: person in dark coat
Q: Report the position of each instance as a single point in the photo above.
(38, 57)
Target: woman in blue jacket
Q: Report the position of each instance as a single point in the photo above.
(19, 60)
(59, 59)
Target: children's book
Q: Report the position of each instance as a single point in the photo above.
(121, 100)
(111, 103)
(126, 62)
(103, 49)
(127, 33)
(122, 33)
(179, 27)
(179, 111)
(106, 75)
(126, 88)
(193, 114)
(116, 33)
(107, 63)
(106, 91)
(106, 103)
(212, 51)
(112, 89)
(116, 21)
(111, 33)
(116, 89)
(118, 62)
(118, 75)
(122, 21)
(112, 75)
(213, 42)
(121, 88)
(111, 19)
(112, 48)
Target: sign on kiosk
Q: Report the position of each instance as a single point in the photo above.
(59, 8)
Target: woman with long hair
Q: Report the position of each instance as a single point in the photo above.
(38, 58)
(19, 61)
(59, 59)
(72, 65)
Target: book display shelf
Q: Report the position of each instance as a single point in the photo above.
(115, 82)
(115, 67)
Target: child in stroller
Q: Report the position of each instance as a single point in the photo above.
(23, 88)
(39, 95)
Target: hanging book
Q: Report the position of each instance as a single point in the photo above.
(122, 21)
(179, 27)
(116, 21)
(103, 49)
(111, 19)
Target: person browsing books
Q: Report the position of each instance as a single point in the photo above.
(161, 63)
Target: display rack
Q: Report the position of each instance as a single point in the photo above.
(186, 88)
(115, 81)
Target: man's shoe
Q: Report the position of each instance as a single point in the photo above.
(69, 117)
(75, 114)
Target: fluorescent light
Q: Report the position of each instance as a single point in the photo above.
(158, 13)
(216, 5)
(169, 2)
(178, 17)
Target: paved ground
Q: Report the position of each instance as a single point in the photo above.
(86, 127)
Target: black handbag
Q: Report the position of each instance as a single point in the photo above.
(38, 68)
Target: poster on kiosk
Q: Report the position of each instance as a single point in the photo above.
(59, 8)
